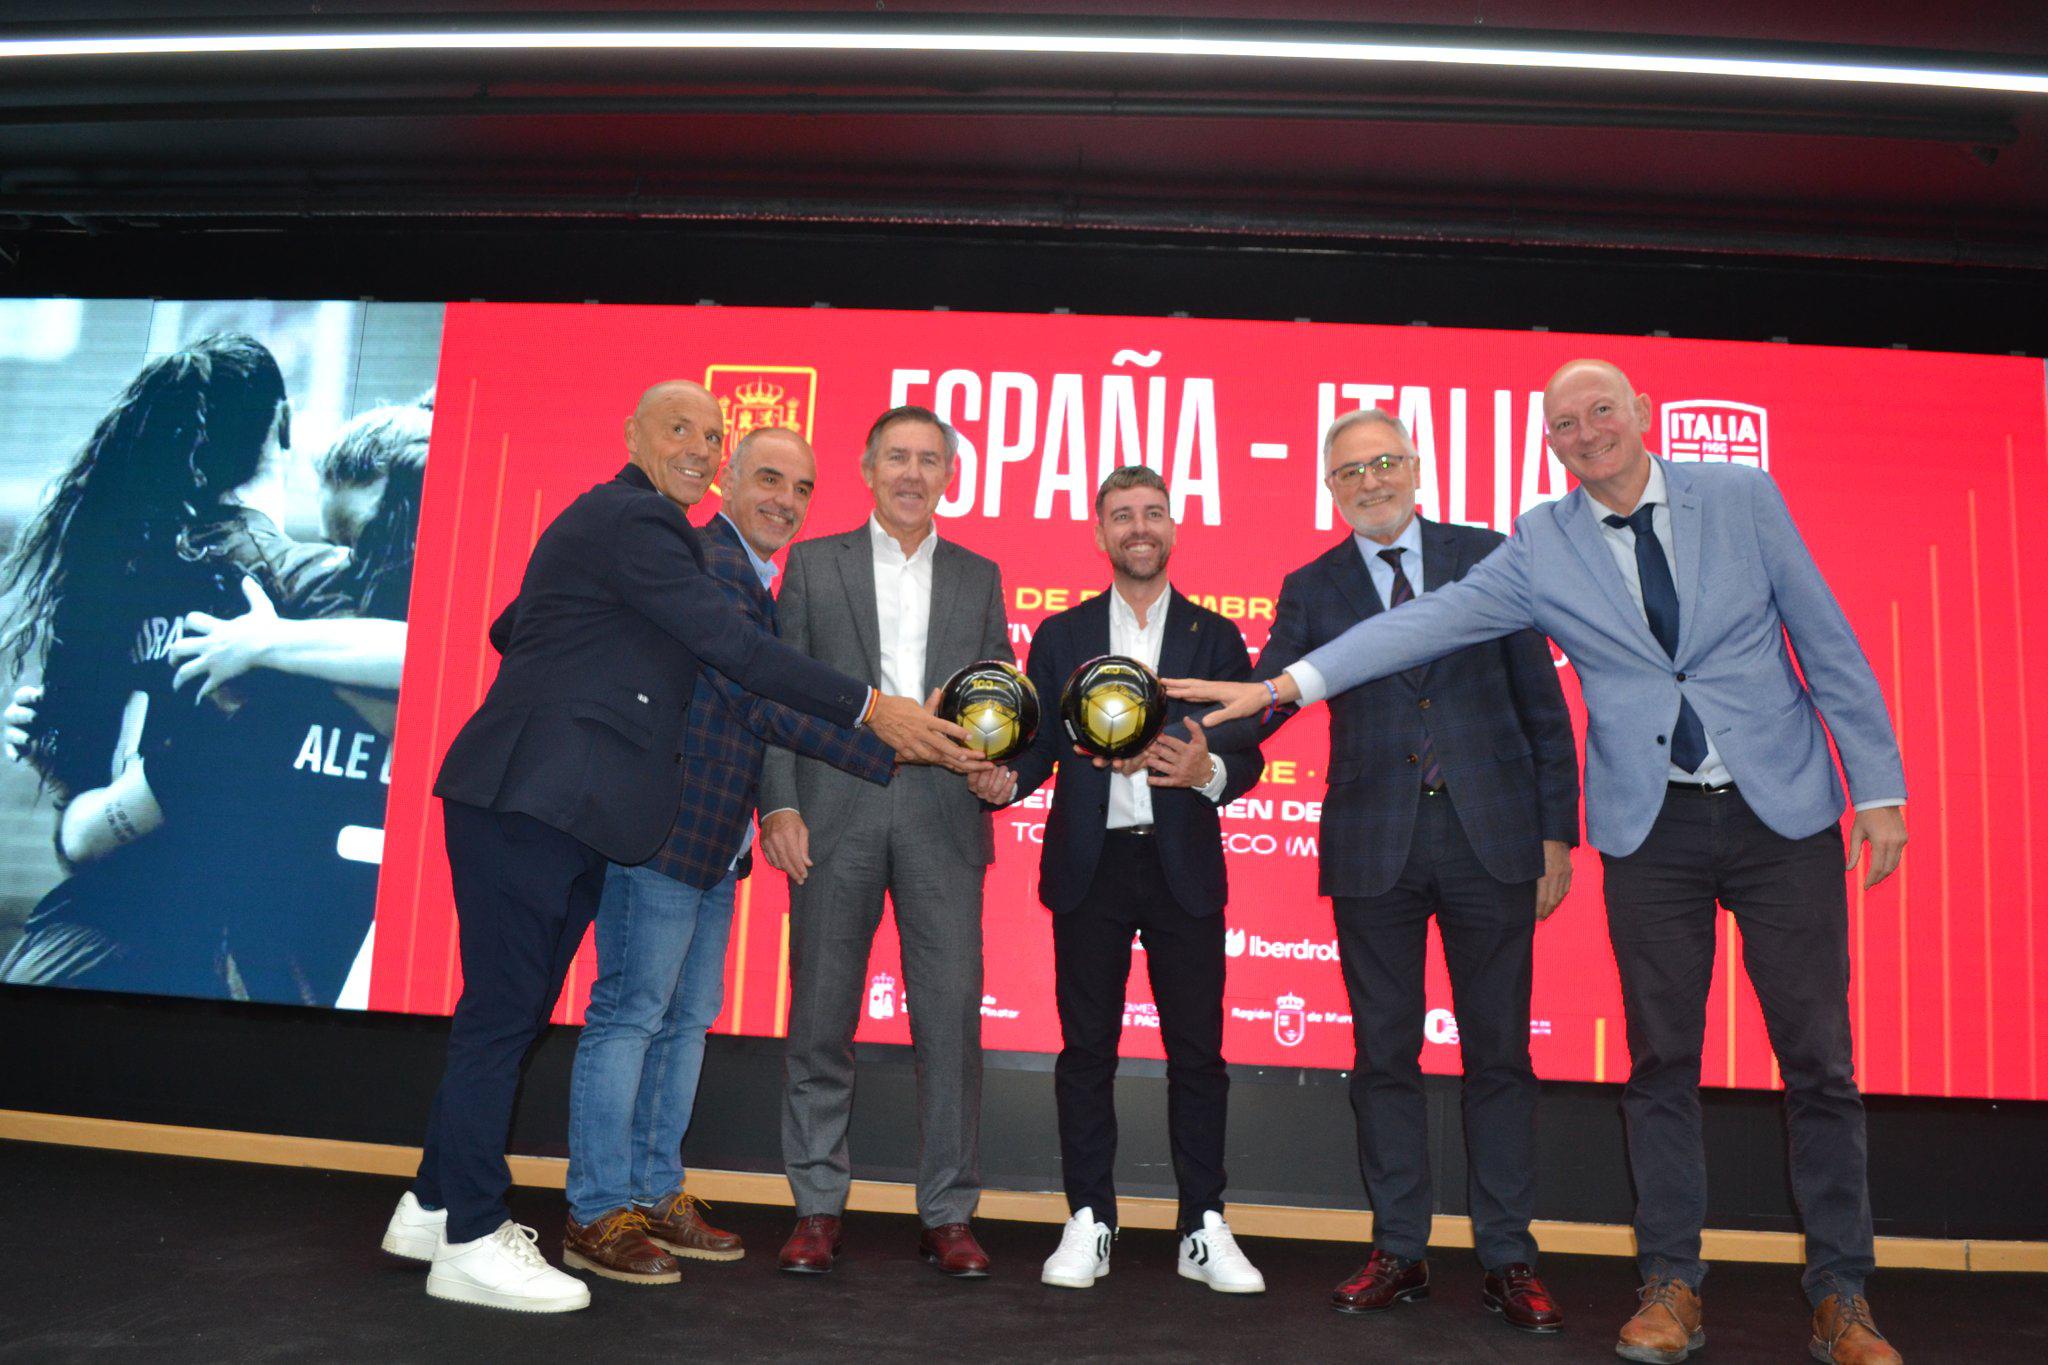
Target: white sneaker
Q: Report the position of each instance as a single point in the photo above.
(1210, 1254)
(415, 1232)
(1083, 1255)
(504, 1270)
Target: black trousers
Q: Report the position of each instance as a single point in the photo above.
(1488, 929)
(525, 893)
(1092, 962)
(1790, 901)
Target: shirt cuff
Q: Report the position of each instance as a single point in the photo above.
(777, 811)
(1309, 679)
(1218, 776)
(1881, 803)
(867, 711)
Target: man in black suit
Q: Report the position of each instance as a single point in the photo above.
(1454, 792)
(1138, 849)
(576, 758)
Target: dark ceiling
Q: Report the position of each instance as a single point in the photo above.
(1300, 150)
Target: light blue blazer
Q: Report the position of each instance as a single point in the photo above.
(1745, 582)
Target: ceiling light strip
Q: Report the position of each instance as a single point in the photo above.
(1030, 44)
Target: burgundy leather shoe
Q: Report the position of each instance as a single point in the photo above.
(1519, 1297)
(812, 1247)
(1383, 1282)
(952, 1249)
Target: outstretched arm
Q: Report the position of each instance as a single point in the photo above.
(349, 650)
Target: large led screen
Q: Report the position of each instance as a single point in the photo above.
(1916, 478)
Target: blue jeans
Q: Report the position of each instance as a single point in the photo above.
(660, 984)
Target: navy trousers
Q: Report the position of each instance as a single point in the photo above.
(525, 893)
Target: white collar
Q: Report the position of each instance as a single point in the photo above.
(880, 539)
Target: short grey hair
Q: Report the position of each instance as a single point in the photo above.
(910, 412)
(746, 443)
(1365, 417)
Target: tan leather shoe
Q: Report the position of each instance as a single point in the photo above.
(1843, 1334)
(1666, 1329)
(616, 1247)
(677, 1224)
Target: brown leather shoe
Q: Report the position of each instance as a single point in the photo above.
(1843, 1334)
(1383, 1282)
(1521, 1300)
(1666, 1329)
(616, 1246)
(952, 1249)
(812, 1247)
(677, 1224)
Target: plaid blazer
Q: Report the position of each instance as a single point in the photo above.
(728, 730)
(1494, 711)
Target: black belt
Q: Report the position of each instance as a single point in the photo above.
(1704, 788)
(1134, 829)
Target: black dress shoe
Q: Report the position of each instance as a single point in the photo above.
(1519, 1297)
(1383, 1282)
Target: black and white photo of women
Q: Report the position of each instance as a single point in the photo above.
(221, 814)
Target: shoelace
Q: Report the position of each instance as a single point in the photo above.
(684, 1207)
(1080, 1239)
(632, 1220)
(1221, 1242)
(1663, 1293)
(1854, 1312)
(523, 1243)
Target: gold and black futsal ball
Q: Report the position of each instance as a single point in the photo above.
(995, 704)
(1113, 706)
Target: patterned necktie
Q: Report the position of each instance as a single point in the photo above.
(1660, 605)
(1404, 591)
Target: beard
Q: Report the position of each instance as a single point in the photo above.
(1120, 560)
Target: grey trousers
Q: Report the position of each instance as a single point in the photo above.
(833, 917)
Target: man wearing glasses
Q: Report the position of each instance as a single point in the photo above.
(1454, 792)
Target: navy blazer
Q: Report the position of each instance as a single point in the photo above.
(1494, 711)
(728, 733)
(1190, 835)
(582, 728)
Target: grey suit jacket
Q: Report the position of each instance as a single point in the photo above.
(827, 610)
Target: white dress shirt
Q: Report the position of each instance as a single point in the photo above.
(1130, 798)
(903, 609)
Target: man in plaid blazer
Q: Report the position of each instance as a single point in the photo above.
(1454, 792)
(662, 925)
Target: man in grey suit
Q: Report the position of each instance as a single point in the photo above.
(892, 602)
(1675, 589)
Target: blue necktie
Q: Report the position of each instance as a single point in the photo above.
(1660, 604)
(1404, 591)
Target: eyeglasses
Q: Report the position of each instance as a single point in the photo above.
(1348, 475)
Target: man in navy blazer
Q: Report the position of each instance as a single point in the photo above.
(575, 760)
(1138, 850)
(662, 925)
(1454, 793)
(1680, 593)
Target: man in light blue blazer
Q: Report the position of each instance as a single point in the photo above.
(1680, 593)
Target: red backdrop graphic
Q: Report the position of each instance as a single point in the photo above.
(1916, 478)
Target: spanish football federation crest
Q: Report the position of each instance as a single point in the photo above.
(1290, 1020)
(754, 396)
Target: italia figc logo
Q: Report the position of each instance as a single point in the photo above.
(1717, 431)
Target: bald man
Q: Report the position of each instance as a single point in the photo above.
(576, 761)
(1681, 593)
